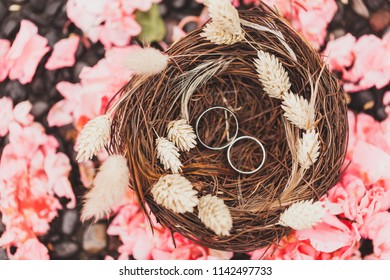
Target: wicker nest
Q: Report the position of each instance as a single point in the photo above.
(255, 201)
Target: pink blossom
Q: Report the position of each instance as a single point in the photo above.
(363, 127)
(32, 172)
(111, 22)
(331, 235)
(377, 229)
(4, 63)
(32, 249)
(5, 114)
(311, 18)
(26, 52)
(8, 115)
(367, 157)
(131, 225)
(339, 53)
(89, 98)
(63, 53)
(291, 248)
(368, 69)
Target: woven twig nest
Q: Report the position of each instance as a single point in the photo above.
(201, 74)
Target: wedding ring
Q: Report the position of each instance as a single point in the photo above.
(202, 115)
(242, 138)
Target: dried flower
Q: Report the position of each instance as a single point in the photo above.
(308, 149)
(109, 188)
(182, 135)
(94, 136)
(272, 75)
(176, 193)
(298, 111)
(146, 61)
(225, 26)
(168, 154)
(215, 214)
(302, 215)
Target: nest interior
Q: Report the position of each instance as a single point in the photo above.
(224, 75)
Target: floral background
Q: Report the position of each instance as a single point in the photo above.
(62, 61)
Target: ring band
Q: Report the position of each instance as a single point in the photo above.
(251, 138)
(202, 115)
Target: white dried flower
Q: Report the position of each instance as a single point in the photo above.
(298, 111)
(272, 75)
(109, 188)
(168, 154)
(308, 149)
(215, 215)
(302, 215)
(225, 26)
(94, 136)
(182, 135)
(146, 61)
(175, 193)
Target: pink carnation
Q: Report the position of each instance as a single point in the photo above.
(131, 225)
(368, 69)
(111, 22)
(32, 172)
(311, 18)
(24, 55)
(291, 248)
(4, 64)
(89, 98)
(377, 229)
(20, 115)
(63, 54)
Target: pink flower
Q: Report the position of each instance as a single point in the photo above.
(311, 18)
(367, 157)
(131, 225)
(111, 22)
(26, 52)
(368, 67)
(31, 174)
(339, 53)
(291, 248)
(8, 115)
(377, 229)
(331, 234)
(89, 98)
(4, 64)
(32, 249)
(63, 53)
(119, 27)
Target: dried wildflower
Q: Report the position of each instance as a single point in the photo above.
(146, 61)
(109, 188)
(272, 75)
(225, 26)
(298, 111)
(182, 135)
(168, 154)
(94, 136)
(176, 193)
(302, 215)
(215, 215)
(308, 149)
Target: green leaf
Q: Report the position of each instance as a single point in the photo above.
(153, 27)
